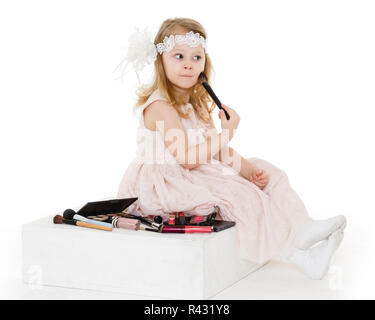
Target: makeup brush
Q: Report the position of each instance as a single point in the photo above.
(203, 79)
(70, 214)
(60, 220)
(145, 221)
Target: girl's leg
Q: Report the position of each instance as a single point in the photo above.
(319, 230)
(315, 261)
(304, 231)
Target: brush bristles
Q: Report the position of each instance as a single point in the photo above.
(69, 214)
(202, 77)
(58, 219)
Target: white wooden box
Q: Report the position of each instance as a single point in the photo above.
(177, 266)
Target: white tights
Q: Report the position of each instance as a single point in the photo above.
(313, 260)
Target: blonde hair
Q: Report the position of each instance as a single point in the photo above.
(199, 98)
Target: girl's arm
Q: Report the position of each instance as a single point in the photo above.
(168, 123)
(232, 158)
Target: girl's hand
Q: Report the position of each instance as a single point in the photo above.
(259, 178)
(230, 125)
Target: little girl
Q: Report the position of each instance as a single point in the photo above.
(184, 164)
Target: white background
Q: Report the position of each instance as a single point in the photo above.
(299, 73)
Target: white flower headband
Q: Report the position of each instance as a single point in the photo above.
(141, 49)
(191, 39)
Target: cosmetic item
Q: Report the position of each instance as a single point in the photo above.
(186, 229)
(101, 217)
(198, 219)
(122, 214)
(180, 218)
(220, 225)
(70, 214)
(203, 79)
(148, 229)
(143, 220)
(158, 219)
(150, 223)
(58, 219)
(212, 216)
(205, 220)
(125, 223)
(127, 220)
(105, 207)
(171, 219)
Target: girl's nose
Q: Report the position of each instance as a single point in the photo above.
(187, 66)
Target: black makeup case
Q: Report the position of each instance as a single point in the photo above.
(105, 207)
(116, 206)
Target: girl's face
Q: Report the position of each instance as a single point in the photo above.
(182, 66)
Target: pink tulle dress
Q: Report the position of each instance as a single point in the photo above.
(267, 220)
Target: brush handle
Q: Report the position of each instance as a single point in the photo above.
(91, 221)
(93, 226)
(215, 98)
(146, 222)
(147, 229)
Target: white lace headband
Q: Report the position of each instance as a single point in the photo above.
(141, 49)
(191, 39)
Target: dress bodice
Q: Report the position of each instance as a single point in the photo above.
(150, 143)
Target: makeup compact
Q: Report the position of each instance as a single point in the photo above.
(109, 212)
(105, 207)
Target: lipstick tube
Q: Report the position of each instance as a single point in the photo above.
(187, 229)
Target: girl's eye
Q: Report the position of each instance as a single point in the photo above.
(179, 54)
